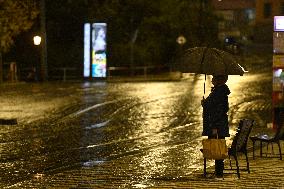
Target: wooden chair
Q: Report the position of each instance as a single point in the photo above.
(269, 139)
(239, 145)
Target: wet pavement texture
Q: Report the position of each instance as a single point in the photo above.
(114, 135)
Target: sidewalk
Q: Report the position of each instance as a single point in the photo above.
(265, 172)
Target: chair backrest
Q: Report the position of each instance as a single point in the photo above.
(240, 140)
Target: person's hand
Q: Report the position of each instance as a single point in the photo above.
(202, 101)
(214, 131)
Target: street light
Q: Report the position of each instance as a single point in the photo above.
(37, 40)
(34, 73)
(181, 40)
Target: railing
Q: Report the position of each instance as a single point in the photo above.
(65, 73)
(68, 73)
(135, 71)
(72, 73)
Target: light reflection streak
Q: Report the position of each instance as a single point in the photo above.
(156, 104)
(39, 176)
(155, 116)
(140, 186)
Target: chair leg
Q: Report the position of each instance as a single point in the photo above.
(260, 148)
(247, 162)
(267, 149)
(230, 162)
(204, 169)
(279, 150)
(253, 149)
(237, 165)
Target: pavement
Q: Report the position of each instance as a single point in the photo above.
(265, 172)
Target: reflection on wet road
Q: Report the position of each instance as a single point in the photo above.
(122, 134)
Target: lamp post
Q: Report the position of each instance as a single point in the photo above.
(43, 62)
(35, 70)
(181, 40)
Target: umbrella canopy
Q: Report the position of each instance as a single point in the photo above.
(210, 61)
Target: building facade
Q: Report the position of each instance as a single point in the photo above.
(267, 9)
(250, 20)
(265, 12)
(237, 18)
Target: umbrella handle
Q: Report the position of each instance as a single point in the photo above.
(204, 87)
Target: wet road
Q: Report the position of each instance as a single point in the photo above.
(114, 134)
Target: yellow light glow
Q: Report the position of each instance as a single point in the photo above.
(181, 40)
(37, 40)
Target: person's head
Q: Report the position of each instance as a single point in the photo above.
(219, 80)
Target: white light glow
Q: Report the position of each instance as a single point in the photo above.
(37, 40)
(245, 71)
(87, 40)
(279, 23)
(277, 73)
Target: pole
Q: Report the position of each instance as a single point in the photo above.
(131, 48)
(1, 67)
(43, 62)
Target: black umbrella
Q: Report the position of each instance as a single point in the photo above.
(209, 61)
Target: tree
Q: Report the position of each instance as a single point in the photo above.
(15, 17)
(140, 32)
(149, 29)
(65, 20)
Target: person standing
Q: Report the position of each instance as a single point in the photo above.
(215, 117)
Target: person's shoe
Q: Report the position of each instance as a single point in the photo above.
(218, 175)
(218, 178)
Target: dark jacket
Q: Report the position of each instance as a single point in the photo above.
(215, 108)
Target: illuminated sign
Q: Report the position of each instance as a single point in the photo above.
(95, 51)
(99, 50)
(87, 41)
(278, 42)
(278, 23)
(278, 61)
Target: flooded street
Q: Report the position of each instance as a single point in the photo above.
(114, 135)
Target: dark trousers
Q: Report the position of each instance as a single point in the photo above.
(219, 164)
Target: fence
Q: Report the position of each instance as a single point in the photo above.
(66, 73)
(136, 71)
(72, 73)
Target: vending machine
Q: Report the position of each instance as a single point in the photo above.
(278, 71)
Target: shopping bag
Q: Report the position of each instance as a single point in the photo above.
(214, 148)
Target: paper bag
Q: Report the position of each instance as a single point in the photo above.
(214, 148)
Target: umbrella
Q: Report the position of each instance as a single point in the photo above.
(209, 61)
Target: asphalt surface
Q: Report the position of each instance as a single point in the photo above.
(47, 150)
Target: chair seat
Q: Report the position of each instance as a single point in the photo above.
(262, 137)
(268, 139)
